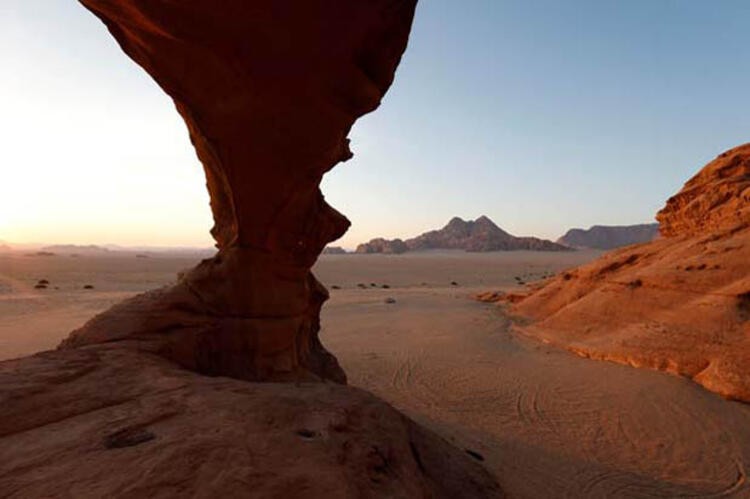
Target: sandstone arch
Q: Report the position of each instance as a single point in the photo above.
(269, 91)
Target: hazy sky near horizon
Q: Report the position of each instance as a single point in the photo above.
(543, 115)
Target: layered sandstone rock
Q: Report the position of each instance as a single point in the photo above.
(716, 199)
(269, 92)
(680, 303)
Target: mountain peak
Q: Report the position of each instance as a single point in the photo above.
(484, 220)
(481, 234)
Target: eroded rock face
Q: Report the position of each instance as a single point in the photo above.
(269, 92)
(680, 303)
(717, 198)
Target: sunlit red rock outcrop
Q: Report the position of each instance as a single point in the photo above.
(680, 303)
(716, 199)
(269, 92)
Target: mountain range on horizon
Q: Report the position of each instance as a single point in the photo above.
(480, 235)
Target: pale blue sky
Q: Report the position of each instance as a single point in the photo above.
(543, 115)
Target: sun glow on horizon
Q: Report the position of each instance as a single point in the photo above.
(98, 153)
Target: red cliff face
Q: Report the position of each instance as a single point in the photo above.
(680, 303)
(718, 197)
(269, 92)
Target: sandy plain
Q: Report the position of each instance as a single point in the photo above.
(545, 422)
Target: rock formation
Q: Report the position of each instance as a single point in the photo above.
(334, 250)
(680, 303)
(380, 245)
(477, 235)
(113, 422)
(715, 200)
(269, 92)
(607, 237)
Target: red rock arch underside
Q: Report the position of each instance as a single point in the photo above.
(269, 92)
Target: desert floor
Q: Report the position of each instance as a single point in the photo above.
(547, 423)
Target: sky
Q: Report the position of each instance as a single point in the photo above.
(543, 115)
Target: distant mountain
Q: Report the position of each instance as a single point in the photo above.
(477, 235)
(75, 248)
(334, 250)
(380, 245)
(192, 251)
(609, 237)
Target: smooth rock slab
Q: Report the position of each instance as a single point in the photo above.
(111, 422)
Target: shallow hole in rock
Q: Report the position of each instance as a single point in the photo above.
(306, 434)
(128, 437)
(476, 455)
(635, 284)
(743, 305)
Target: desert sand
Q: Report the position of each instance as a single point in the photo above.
(545, 422)
(37, 319)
